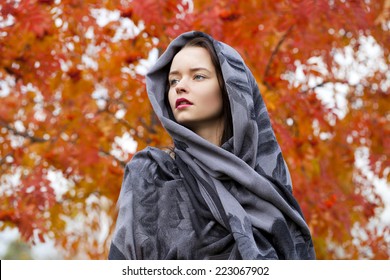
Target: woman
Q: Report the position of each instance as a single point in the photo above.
(225, 191)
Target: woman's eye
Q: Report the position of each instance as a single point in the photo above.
(199, 77)
(173, 82)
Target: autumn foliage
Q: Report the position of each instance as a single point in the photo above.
(72, 84)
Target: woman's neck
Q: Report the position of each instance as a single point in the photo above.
(211, 132)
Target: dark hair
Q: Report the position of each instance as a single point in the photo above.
(205, 43)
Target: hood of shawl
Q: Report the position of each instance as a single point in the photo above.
(249, 115)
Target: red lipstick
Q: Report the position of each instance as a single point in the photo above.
(182, 103)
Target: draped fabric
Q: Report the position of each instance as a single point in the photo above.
(210, 202)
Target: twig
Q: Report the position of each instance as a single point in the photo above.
(274, 52)
(121, 162)
(23, 134)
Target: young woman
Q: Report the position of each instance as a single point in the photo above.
(225, 191)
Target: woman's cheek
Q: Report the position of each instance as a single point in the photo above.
(171, 100)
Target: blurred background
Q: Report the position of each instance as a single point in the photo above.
(74, 110)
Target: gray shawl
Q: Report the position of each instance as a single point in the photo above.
(210, 202)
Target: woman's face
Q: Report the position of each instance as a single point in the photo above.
(194, 93)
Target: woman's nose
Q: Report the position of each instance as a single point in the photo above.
(181, 86)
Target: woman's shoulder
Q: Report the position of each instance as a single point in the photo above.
(152, 155)
(151, 161)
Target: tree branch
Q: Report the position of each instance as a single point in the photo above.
(325, 82)
(121, 162)
(274, 53)
(3, 159)
(32, 138)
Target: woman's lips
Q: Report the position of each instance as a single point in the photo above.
(182, 103)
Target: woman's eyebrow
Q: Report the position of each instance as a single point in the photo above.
(199, 68)
(194, 69)
(175, 72)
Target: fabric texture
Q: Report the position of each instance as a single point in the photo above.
(210, 202)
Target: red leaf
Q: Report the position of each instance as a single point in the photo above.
(33, 17)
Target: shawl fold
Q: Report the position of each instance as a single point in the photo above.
(210, 202)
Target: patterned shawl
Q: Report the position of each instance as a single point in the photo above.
(210, 202)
